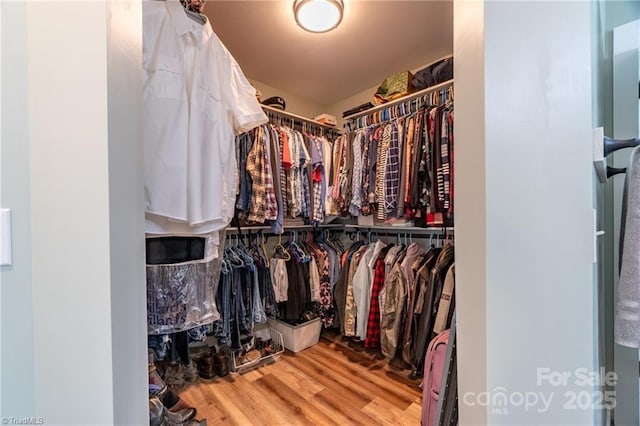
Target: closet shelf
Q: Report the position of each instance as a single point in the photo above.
(401, 100)
(295, 117)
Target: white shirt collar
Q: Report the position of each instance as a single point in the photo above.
(183, 24)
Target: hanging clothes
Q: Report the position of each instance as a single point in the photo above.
(372, 339)
(392, 299)
(284, 177)
(195, 99)
(395, 298)
(429, 301)
(245, 295)
(402, 168)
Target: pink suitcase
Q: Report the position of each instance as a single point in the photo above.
(433, 376)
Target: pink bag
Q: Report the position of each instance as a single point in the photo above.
(433, 376)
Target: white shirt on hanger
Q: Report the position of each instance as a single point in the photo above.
(196, 99)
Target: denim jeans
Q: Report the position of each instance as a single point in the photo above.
(223, 298)
(243, 146)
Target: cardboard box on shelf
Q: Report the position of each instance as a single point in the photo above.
(327, 119)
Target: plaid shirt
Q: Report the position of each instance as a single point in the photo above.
(255, 168)
(271, 202)
(392, 173)
(373, 322)
(381, 168)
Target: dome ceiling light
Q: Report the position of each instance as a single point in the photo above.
(318, 16)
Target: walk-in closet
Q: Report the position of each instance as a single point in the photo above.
(236, 212)
(304, 271)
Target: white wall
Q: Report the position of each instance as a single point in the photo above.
(126, 213)
(74, 348)
(343, 105)
(471, 206)
(70, 212)
(534, 225)
(294, 103)
(16, 336)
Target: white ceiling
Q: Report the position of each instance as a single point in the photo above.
(375, 39)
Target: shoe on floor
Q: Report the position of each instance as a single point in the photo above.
(191, 372)
(159, 415)
(174, 376)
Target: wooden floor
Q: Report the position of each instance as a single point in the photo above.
(333, 382)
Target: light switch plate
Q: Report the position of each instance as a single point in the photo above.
(6, 255)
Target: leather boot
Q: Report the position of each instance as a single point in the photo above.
(221, 364)
(168, 397)
(205, 367)
(191, 372)
(159, 415)
(156, 409)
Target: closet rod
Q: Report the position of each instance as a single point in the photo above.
(346, 227)
(402, 229)
(437, 236)
(410, 97)
(267, 229)
(292, 116)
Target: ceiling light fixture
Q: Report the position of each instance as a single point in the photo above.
(318, 16)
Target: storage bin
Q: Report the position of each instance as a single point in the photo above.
(277, 348)
(298, 337)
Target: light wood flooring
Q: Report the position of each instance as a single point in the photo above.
(333, 382)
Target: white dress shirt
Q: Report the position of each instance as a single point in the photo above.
(195, 100)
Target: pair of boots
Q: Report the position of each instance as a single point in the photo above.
(173, 408)
(213, 363)
(159, 415)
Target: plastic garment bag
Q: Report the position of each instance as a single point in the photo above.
(183, 296)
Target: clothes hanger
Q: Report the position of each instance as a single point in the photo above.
(244, 254)
(193, 14)
(295, 249)
(234, 260)
(264, 249)
(337, 241)
(283, 250)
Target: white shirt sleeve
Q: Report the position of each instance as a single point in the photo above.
(238, 94)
